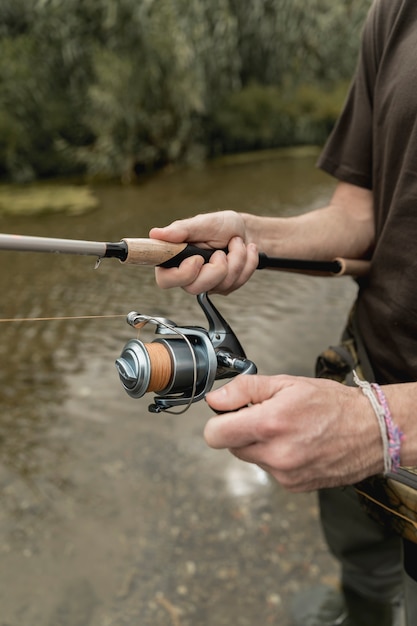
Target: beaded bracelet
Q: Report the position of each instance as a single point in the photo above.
(395, 436)
(390, 434)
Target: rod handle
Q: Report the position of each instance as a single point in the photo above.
(155, 252)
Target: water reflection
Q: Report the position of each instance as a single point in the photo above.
(244, 479)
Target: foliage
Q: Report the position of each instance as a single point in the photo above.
(262, 117)
(115, 87)
(44, 74)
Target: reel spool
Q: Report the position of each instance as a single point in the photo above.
(182, 366)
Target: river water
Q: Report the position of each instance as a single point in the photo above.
(113, 516)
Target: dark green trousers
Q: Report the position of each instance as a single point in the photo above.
(375, 563)
(371, 557)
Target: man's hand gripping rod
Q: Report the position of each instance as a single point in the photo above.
(182, 365)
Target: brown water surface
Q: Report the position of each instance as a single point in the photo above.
(113, 516)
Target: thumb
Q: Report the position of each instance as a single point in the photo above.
(175, 233)
(193, 229)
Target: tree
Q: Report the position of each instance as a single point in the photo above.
(115, 87)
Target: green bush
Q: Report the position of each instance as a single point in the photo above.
(261, 117)
(115, 87)
(40, 100)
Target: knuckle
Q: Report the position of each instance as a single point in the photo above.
(267, 428)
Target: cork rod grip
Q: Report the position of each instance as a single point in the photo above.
(151, 251)
(163, 253)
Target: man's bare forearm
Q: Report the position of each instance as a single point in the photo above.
(343, 228)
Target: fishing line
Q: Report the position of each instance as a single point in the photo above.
(58, 319)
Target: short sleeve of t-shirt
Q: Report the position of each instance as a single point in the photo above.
(374, 145)
(348, 153)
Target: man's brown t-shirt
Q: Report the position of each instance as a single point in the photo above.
(374, 145)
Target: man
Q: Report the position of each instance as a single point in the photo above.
(315, 433)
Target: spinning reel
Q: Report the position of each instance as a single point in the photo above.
(182, 365)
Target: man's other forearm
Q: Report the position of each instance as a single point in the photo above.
(343, 228)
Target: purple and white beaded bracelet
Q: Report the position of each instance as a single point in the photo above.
(391, 435)
(395, 436)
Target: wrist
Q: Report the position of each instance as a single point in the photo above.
(251, 229)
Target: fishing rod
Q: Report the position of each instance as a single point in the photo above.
(154, 252)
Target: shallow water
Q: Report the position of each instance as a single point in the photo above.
(113, 516)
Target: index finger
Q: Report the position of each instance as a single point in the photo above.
(230, 430)
(181, 276)
(194, 276)
(252, 424)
